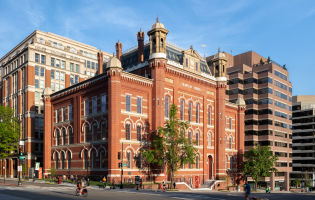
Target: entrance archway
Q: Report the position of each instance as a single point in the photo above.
(210, 167)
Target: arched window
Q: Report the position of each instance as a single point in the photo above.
(182, 109)
(197, 138)
(230, 142)
(70, 132)
(57, 137)
(209, 140)
(197, 113)
(69, 159)
(87, 135)
(104, 130)
(197, 162)
(190, 111)
(93, 159)
(129, 159)
(139, 136)
(167, 102)
(85, 159)
(94, 132)
(102, 159)
(128, 131)
(63, 136)
(139, 160)
(231, 162)
(57, 160)
(62, 160)
(209, 115)
(189, 137)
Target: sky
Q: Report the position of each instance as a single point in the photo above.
(281, 29)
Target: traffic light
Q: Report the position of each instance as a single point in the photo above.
(118, 155)
(119, 165)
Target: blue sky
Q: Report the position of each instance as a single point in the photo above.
(282, 29)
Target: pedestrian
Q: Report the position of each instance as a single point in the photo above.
(164, 186)
(247, 190)
(174, 184)
(140, 182)
(104, 182)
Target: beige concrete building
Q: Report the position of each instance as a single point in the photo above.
(41, 60)
(303, 140)
(267, 91)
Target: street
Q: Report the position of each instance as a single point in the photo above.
(30, 191)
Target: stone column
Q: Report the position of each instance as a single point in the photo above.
(272, 181)
(287, 181)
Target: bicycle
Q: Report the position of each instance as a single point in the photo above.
(83, 192)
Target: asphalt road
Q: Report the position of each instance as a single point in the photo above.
(31, 191)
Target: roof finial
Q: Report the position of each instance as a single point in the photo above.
(157, 19)
(219, 50)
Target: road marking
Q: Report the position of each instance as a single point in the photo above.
(180, 198)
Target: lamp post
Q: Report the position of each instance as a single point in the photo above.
(121, 166)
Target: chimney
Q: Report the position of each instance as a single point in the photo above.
(100, 62)
(118, 49)
(140, 37)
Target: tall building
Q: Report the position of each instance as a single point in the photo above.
(40, 60)
(303, 140)
(94, 125)
(266, 89)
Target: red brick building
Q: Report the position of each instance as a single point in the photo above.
(88, 124)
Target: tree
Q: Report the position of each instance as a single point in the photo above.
(259, 163)
(261, 61)
(169, 147)
(268, 59)
(9, 132)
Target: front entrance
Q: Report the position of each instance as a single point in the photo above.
(210, 167)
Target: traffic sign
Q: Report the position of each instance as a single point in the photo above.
(22, 157)
(20, 168)
(124, 164)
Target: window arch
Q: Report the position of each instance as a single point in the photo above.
(104, 130)
(64, 135)
(182, 109)
(87, 134)
(70, 135)
(129, 159)
(62, 160)
(128, 131)
(189, 137)
(139, 132)
(102, 159)
(209, 115)
(190, 104)
(85, 159)
(197, 113)
(69, 159)
(197, 138)
(94, 162)
(167, 102)
(94, 132)
(57, 160)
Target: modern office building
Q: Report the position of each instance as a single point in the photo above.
(303, 140)
(40, 60)
(266, 89)
(96, 124)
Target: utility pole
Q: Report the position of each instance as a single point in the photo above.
(121, 165)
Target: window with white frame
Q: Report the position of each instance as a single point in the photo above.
(190, 104)
(209, 140)
(139, 137)
(230, 123)
(139, 105)
(197, 162)
(43, 59)
(197, 138)
(230, 142)
(37, 57)
(189, 137)
(128, 103)
(197, 112)
(182, 109)
(167, 106)
(128, 131)
(129, 159)
(63, 114)
(209, 115)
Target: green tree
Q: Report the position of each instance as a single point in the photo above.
(169, 147)
(268, 59)
(259, 163)
(9, 132)
(261, 61)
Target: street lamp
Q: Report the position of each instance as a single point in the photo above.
(121, 166)
(19, 158)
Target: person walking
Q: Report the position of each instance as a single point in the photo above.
(247, 190)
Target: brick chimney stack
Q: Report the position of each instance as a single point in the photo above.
(118, 50)
(100, 62)
(140, 37)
